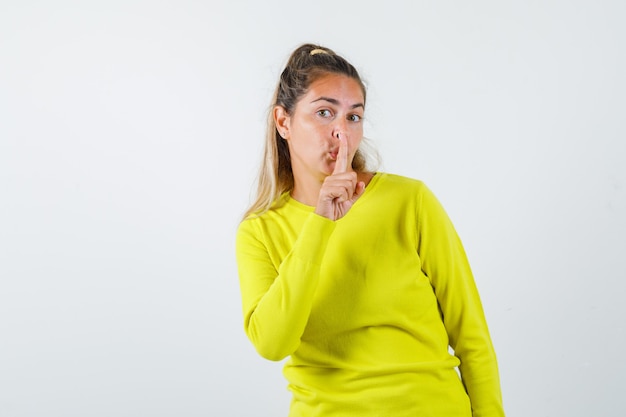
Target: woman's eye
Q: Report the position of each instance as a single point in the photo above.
(354, 118)
(324, 113)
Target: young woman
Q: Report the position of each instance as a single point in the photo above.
(358, 276)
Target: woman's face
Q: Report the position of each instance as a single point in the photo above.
(333, 105)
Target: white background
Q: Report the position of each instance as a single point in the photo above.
(130, 136)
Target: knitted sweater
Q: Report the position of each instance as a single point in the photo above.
(367, 307)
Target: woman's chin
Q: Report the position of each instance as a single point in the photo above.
(328, 168)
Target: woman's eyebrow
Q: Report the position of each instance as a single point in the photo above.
(336, 102)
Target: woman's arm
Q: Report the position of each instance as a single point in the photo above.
(445, 263)
(277, 301)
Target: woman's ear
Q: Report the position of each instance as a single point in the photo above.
(282, 119)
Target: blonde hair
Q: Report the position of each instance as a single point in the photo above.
(305, 65)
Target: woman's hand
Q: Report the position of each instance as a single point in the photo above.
(341, 189)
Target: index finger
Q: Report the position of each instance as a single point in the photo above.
(341, 164)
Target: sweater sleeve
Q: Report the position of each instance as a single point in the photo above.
(445, 263)
(277, 301)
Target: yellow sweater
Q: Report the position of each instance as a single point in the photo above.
(367, 306)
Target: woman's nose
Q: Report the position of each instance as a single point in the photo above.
(339, 129)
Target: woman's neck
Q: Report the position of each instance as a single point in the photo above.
(306, 191)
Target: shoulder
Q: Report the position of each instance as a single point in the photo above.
(284, 214)
(253, 231)
(393, 189)
(400, 183)
(398, 179)
(392, 193)
(261, 216)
